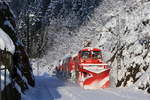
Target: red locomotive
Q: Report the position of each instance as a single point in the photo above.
(86, 68)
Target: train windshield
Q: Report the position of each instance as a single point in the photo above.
(85, 54)
(96, 55)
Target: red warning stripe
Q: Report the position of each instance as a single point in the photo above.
(106, 84)
(98, 77)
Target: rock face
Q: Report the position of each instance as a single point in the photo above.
(18, 68)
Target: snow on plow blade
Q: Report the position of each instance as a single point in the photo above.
(94, 76)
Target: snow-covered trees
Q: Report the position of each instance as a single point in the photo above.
(15, 69)
(32, 24)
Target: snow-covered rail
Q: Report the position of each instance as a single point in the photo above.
(51, 88)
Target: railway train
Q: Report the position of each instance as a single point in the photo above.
(86, 68)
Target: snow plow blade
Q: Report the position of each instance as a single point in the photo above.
(94, 76)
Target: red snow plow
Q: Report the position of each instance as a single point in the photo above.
(87, 69)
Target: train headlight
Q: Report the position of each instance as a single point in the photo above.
(82, 61)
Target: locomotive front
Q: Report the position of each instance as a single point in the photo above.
(93, 73)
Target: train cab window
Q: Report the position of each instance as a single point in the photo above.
(85, 54)
(96, 55)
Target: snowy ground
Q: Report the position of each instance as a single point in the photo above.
(51, 88)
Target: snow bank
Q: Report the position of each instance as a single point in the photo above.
(6, 42)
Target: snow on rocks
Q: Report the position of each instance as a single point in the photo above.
(6, 42)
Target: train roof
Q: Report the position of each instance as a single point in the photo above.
(91, 49)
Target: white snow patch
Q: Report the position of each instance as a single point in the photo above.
(6, 42)
(7, 22)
